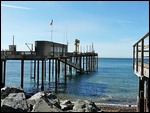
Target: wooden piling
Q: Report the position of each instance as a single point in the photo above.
(58, 68)
(4, 72)
(45, 69)
(80, 62)
(65, 70)
(42, 84)
(141, 96)
(22, 72)
(53, 67)
(97, 62)
(37, 73)
(56, 75)
(83, 63)
(147, 95)
(2, 84)
(86, 64)
(34, 69)
(49, 69)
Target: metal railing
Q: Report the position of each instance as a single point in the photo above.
(7, 53)
(141, 53)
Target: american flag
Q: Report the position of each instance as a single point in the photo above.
(51, 23)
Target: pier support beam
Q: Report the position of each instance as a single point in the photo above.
(37, 73)
(80, 63)
(22, 72)
(97, 62)
(49, 69)
(86, 64)
(34, 69)
(2, 75)
(42, 84)
(65, 70)
(53, 67)
(83, 63)
(58, 69)
(45, 69)
(56, 75)
(4, 72)
(70, 68)
(147, 95)
(141, 96)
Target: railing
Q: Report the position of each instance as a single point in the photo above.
(141, 54)
(6, 53)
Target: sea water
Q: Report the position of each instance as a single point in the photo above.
(112, 83)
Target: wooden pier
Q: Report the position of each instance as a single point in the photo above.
(56, 55)
(141, 69)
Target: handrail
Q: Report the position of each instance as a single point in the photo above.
(140, 49)
(145, 36)
(7, 52)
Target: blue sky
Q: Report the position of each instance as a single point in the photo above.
(112, 27)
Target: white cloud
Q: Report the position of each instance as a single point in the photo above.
(124, 23)
(12, 6)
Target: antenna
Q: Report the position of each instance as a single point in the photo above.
(13, 39)
(66, 36)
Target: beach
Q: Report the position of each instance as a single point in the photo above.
(116, 108)
(106, 107)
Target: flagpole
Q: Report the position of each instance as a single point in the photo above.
(51, 24)
(51, 31)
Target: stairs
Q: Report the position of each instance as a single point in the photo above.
(71, 64)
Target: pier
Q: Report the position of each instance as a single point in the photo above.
(57, 57)
(141, 69)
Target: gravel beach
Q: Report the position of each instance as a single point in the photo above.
(115, 108)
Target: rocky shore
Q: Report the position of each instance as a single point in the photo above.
(14, 99)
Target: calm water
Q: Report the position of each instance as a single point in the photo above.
(114, 82)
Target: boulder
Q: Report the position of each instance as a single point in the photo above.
(91, 107)
(7, 90)
(43, 105)
(79, 106)
(85, 106)
(51, 96)
(33, 99)
(66, 105)
(14, 102)
(55, 102)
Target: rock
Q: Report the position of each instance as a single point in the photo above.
(85, 106)
(55, 102)
(32, 100)
(65, 102)
(14, 102)
(7, 90)
(91, 107)
(66, 105)
(51, 96)
(43, 105)
(79, 106)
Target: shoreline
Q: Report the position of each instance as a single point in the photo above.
(29, 100)
(105, 107)
(116, 108)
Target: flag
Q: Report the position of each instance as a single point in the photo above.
(51, 23)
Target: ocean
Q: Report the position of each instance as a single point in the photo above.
(112, 83)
